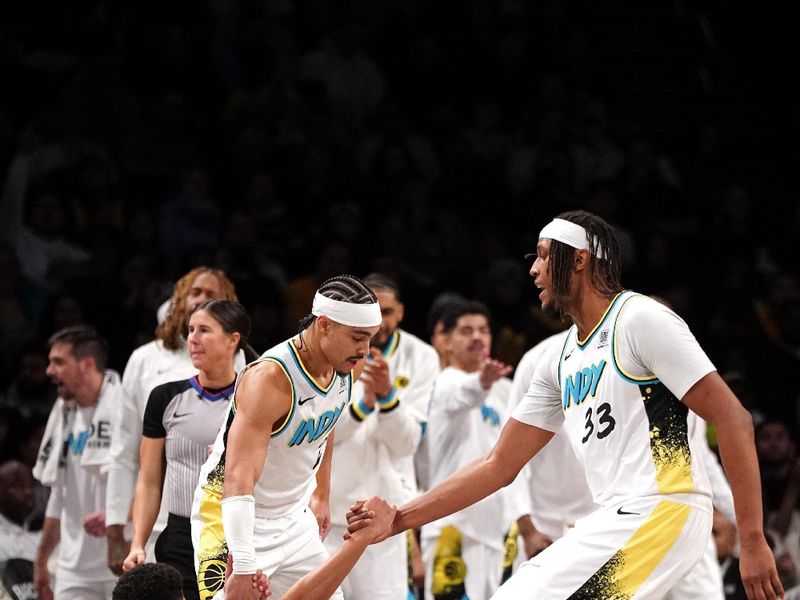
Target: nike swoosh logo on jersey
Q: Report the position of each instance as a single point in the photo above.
(625, 512)
(570, 354)
(304, 400)
(178, 416)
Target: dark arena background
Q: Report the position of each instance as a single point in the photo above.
(288, 141)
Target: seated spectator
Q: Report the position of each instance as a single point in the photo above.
(16, 505)
(17, 543)
(780, 477)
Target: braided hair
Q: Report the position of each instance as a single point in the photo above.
(345, 288)
(605, 265)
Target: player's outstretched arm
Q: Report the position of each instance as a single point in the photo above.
(321, 583)
(713, 400)
(518, 443)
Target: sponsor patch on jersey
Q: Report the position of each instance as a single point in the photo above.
(602, 340)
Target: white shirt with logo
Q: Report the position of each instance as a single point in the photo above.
(81, 557)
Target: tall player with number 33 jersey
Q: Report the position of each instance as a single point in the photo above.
(622, 386)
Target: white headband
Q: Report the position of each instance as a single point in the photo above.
(570, 234)
(347, 313)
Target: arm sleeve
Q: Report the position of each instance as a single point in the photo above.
(127, 433)
(657, 342)
(153, 422)
(55, 503)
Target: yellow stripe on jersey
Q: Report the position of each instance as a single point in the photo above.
(289, 416)
(625, 572)
(309, 378)
(212, 554)
(669, 438)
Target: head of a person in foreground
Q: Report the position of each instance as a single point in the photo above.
(154, 581)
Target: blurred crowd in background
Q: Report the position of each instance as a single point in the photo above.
(286, 142)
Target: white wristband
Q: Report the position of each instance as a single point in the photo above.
(238, 521)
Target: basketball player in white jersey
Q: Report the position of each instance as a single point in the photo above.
(255, 489)
(560, 496)
(380, 433)
(621, 386)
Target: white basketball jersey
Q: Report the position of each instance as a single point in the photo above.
(295, 450)
(617, 393)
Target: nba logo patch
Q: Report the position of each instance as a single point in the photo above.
(603, 339)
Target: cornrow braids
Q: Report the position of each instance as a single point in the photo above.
(605, 270)
(345, 288)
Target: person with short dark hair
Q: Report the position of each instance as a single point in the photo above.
(73, 460)
(153, 581)
(464, 552)
(160, 581)
(16, 504)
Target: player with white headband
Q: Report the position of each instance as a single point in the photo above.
(621, 386)
(263, 492)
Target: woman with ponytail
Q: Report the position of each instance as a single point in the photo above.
(181, 421)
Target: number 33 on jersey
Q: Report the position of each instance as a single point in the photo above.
(624, 423)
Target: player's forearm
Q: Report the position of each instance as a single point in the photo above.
(737, 449)
(465, 487)
(238, 481)
(321, 583)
